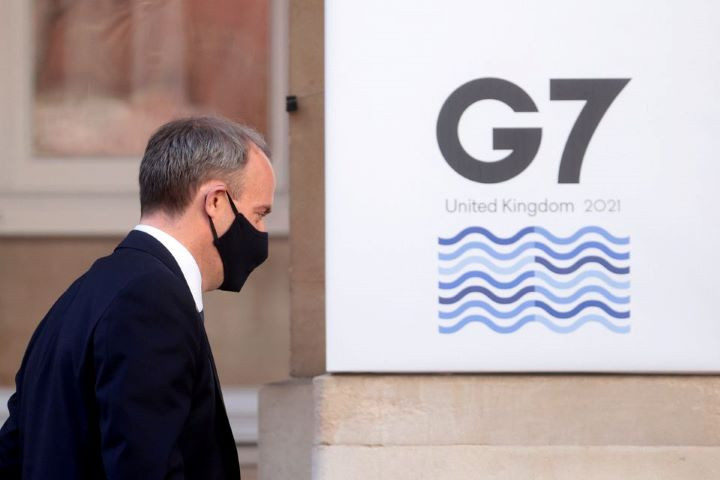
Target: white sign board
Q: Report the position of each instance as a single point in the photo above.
(523, 186)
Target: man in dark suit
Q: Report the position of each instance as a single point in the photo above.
(118, 380)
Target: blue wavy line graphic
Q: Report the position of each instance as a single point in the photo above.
(532, 289)
(534, 274)
(491, 280)
(583, 261)
(572, 268)
(580, 277)
(542, 231)
(530, 304)
(487, 264)
(535, 319)
(530, 245)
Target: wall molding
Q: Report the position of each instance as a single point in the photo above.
(241, 404)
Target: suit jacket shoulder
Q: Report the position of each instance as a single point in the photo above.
(118, 380)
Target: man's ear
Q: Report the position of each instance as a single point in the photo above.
(214, 195)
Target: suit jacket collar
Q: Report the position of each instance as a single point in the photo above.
(138, 240)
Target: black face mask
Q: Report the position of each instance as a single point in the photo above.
(242, 248)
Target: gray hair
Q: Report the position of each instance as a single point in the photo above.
(184, 153)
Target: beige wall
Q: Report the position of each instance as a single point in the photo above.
(249, 332)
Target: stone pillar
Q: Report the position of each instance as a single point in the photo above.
(500, 427)
(286, 410)
(307, 189)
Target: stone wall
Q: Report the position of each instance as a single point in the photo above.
(249, 331)
(499, 427)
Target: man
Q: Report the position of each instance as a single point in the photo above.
(118, 380)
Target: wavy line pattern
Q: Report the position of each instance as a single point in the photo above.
(527, 260)
(530, 304)
(533, 245)
(532, 289)
(553, 282)
(540, 230)
(490, 272)
(514, 327)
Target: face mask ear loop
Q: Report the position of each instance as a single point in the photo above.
(232, 204)
(212, 225)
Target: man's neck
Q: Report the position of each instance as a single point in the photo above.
(184, 231)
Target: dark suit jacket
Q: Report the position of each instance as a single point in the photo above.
(118, 380)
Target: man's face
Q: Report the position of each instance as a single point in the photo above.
(255, 201)
(258, 189)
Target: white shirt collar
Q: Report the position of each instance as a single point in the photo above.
(183, 257)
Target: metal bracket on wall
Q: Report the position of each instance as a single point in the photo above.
(291, 103)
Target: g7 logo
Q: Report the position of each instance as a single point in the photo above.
(599, 93)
